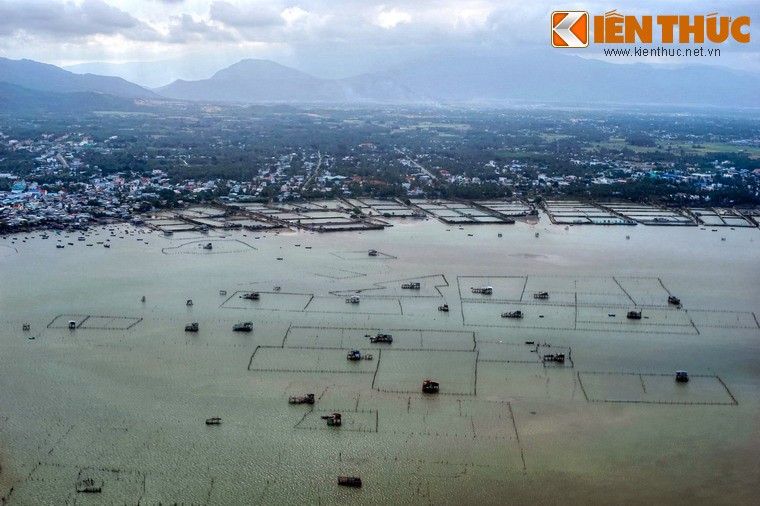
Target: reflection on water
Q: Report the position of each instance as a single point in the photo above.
(121, 399)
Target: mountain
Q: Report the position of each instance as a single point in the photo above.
(267, 81)
(152, 74)
(548, 76)
(18, 100)
(488, 76)
(33, 75)
(484, 76)
(255, 81)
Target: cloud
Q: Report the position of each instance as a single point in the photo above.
(250, 17)
(51, 18)
(358, 29)
(185, 28)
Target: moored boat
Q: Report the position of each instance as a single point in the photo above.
(430, 387)
(243, 327)
(512, 314)
(349, 481)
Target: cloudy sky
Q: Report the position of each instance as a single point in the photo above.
(331, 38)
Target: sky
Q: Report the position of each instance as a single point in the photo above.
(328, 38)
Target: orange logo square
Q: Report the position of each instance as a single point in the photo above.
(569, 28)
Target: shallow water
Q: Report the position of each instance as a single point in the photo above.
(122, 399)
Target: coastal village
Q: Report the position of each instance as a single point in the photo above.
(65, 190)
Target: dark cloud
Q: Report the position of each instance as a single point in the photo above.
(252, 17)
(49, 17)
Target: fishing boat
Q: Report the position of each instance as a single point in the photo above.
(430, 387)
(349, 481)
(381, 338)
(243, 327)
(333, 420)
(512, 314)
(214, 420)
(252, 296)
(192, 327)
(558, 357)
(301, 399)
(88, 486)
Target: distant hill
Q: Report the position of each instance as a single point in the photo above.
(477, 76)
(33, 75)
(267, 81)
(152, 74)
(255, 81)
(483, 76)
(18, 100)
(548, 76)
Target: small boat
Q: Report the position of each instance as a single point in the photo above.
(485, 290)
(349, 481)
(541, 295)
(243, 327)
(333, 420)
(411, 286)
(142, 299)
(214, 420)
(430, 387)
(60, 246)
(381, 338)
(106, 245)
(372, 253)
(88, 486)
(189, 302)
(252, 296)
(444, 308)
(682, 376)
(674, 300)
(559, 357)
(357, 355)
(305, 399)
(354, 299)
(633, 315)
(279, 258)
(512, 314)
(192, 327)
